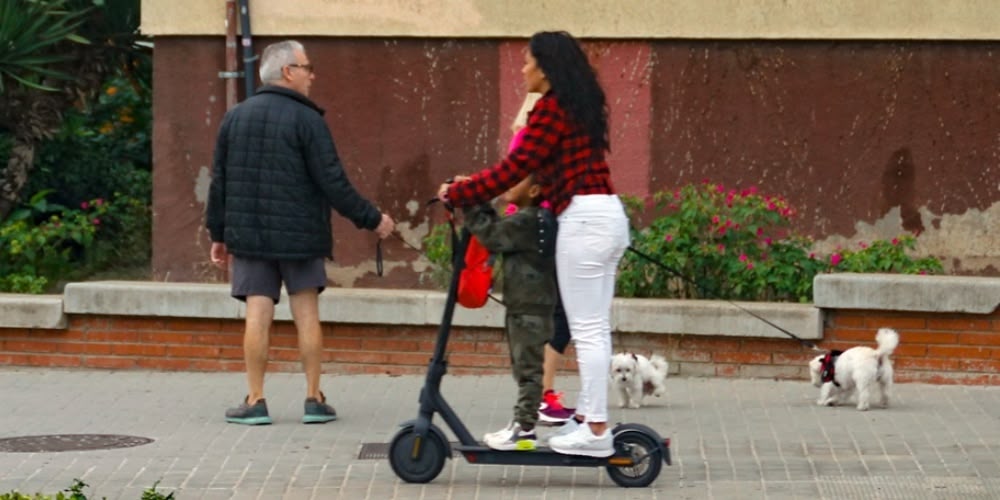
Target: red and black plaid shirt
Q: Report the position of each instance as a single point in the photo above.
(556, 149)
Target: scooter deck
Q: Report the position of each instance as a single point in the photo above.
(542, 455)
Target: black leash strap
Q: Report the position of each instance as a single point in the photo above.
(680, 275)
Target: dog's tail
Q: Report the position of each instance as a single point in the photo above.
(887, 340)
(660, 364)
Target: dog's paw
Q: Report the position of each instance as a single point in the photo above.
(863, 407)
(659, 393)
(622, 404)
(634, 405)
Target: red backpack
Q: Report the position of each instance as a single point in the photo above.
(476, 279)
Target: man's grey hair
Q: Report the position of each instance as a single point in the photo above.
(275, 57)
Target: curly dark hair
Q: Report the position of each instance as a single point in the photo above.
(574, 82)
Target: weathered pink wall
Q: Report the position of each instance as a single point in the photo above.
(853, 133)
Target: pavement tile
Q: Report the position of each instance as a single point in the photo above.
(731, 439)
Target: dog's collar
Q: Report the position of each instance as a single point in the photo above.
(828, 367)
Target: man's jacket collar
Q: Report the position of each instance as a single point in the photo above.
(287, 92)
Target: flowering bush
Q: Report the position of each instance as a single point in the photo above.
(42, 244)
(738, 244)
(724, 243)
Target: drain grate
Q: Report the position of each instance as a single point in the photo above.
(69, 442)
(380, 451)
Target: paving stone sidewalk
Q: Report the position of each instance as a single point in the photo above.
(732, 439)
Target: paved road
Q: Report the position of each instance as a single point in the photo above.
(732, 439)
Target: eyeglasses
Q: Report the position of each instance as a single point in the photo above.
(307, 67)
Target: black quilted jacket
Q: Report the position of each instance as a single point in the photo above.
(275, 177)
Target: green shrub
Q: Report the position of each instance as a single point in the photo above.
(728, 244)
(101, 149)
(75, 492)
(41, 245)
(738, 244)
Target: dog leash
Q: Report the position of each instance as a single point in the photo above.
(715, 296)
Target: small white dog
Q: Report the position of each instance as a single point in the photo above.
(855, 370)
(636, 376)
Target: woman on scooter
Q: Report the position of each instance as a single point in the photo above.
(564, 147)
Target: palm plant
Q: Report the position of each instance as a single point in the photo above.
(54, 54)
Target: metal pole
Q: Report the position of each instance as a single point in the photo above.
(247, 42)
(232, 66)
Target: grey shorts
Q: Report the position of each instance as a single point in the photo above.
(264, 277)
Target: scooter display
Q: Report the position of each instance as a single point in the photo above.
(418, 451)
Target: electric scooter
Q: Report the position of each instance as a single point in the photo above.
(418, 451)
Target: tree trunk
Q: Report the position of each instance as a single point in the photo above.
(15, 176)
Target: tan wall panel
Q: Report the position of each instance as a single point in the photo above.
(727, 19)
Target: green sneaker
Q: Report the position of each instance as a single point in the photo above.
(249, 415)
(317, 411)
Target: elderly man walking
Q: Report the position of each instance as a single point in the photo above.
(275, 178)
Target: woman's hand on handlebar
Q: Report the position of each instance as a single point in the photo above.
(443, 190)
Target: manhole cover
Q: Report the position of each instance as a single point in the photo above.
(377, 451)
(69, 442)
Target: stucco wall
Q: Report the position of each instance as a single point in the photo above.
(866, 139)
(799, 19)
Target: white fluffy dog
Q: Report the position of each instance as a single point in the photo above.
(636, 376)
(855, 370)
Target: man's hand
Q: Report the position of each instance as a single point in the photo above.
(220, 257)
(385, 227)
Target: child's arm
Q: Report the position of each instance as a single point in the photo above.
(501, 234)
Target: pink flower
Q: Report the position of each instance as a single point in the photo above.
(760, 231)
(97, 222)
(749, 266)
(720, 189)
(767, 241)
(922, 272)
(668, 238)
(721, 248)
(895, 241)
(771, 205)
(84, 205)
(743, 257)
(677, 194)
(862, 244)
(715, 219)
(812, 255)
(835, 259)
(99, 201)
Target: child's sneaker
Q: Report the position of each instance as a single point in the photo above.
(512, 438)
(255, 414)
(317, 411)
(551, 408)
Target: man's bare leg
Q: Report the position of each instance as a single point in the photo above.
(260, 314)
(305, 312)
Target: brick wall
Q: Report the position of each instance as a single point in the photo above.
(935, 348)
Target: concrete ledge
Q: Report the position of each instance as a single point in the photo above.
(422, 307)
(901, 292)
(31, 311)
(716, 317)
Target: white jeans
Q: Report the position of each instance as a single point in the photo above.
(593, 235)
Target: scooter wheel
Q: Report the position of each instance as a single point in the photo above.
(647, 458)
(415, 459)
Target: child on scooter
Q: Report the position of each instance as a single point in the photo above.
(526, 241)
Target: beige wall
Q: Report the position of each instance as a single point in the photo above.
(732, 19)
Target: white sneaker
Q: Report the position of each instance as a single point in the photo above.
(489, 436)
(512, 439)
(583, 442)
